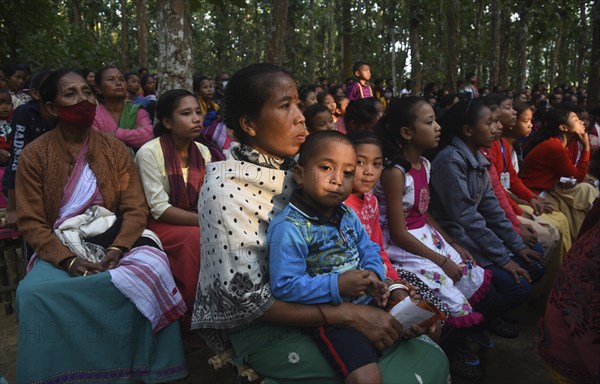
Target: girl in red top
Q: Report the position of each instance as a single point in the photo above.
(548, 165)
(368, 171)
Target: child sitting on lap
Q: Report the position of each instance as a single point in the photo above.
(321, 253)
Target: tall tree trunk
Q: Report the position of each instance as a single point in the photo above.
(76, 13)
(312, 60)
(256, 54)
(142, 33)
(554, 56)
(329, 44)
(346, 39)
(124, 15)
(582, 49)
(278, 25)
(594, 79)
(451, 43)
(505, 49)
(175, 66)
(389, 25)
(495, 43)
(522, 43)
(479, 37)
(415, 46)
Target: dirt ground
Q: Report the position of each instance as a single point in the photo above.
(513, 361)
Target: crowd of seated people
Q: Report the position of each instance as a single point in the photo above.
(223, 216)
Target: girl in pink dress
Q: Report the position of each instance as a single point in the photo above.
(413, 240)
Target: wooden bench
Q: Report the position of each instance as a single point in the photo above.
(12, 266)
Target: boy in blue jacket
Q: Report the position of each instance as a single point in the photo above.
(320, 253)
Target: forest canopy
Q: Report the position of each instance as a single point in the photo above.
(512, 43)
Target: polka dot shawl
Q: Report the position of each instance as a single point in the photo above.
(236, 204)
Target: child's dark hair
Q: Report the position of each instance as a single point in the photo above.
(247, 92)
(311, 112)
(401, 112)
(360, 111)
(305, 91)
(321, 96)
(553, 119)
(447, 100)
(197, 81)
(357, 65)
(144, 80)
(165, 106)
(338, 101)
(314, 141)
(520, 107)
(128, 75)
(461, 114)
(364, 137)
(491, 103)
(84, 72)
(567, 105)
(496, 98)
(10, 69)
(5, 95)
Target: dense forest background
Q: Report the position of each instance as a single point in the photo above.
(511, 43)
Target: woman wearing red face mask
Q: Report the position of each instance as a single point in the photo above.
(96, 273)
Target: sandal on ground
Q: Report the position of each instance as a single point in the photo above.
(482, 338)
(468, 356)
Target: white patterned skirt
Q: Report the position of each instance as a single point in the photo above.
(461, 296)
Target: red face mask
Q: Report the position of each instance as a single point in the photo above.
(80, 115)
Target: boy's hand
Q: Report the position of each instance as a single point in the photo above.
(354, 283)
(378, 290)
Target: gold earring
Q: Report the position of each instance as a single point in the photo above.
(252, 133)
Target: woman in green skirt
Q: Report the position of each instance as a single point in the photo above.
(234, 307)
(99, 303)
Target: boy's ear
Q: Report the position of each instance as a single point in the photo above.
(563, 128)
(467, 131)
(356, 73)
(298, 174)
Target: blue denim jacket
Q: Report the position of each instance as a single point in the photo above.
(464, 204)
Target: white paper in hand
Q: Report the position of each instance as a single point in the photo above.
(408, 313)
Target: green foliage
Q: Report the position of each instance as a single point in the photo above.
(228, 34)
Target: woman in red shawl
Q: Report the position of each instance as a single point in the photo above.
(172, 168)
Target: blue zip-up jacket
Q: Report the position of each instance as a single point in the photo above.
(464, 204)
(27, 125)
(307, 252)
